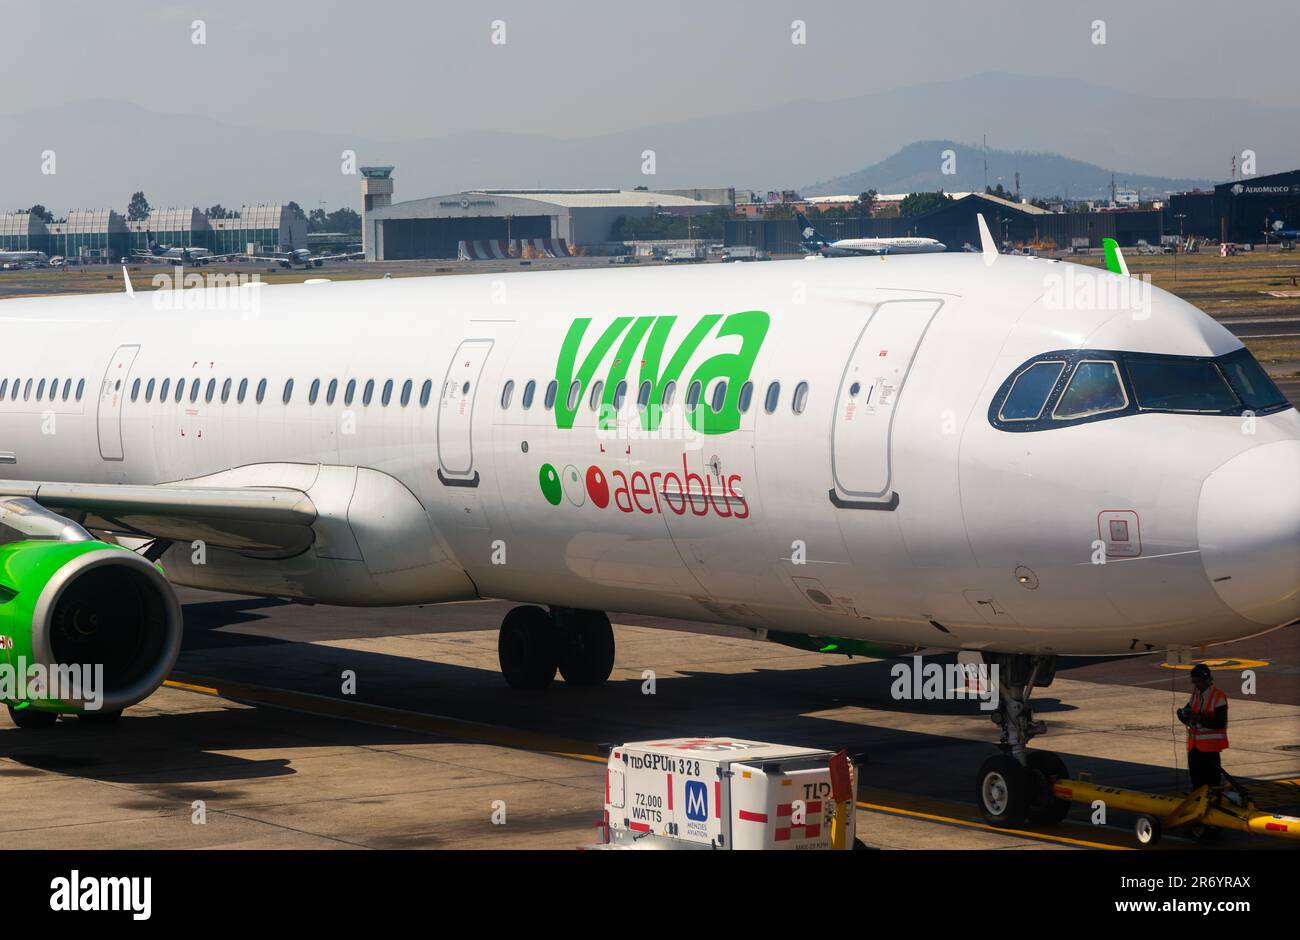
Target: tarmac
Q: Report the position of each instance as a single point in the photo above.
(255, 743)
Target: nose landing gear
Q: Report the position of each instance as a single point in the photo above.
(1016, 785)
(534, 644)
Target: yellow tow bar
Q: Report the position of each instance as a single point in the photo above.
(1204, 806)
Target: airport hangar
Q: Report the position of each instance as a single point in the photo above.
(1238, 210)
(435, 227)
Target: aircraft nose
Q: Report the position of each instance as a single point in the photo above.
(1248, 527)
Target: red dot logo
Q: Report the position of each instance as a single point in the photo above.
(597, 487)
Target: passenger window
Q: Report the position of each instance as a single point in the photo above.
(773, 397)
(693, 395)
(670, 392)
(313, 391)
(194, 389)
(1180, 385)
(350, 391)
(620, 395)
(331, 391)
(593, 400)
(719, 396)
(162, 393)
(529, 390)
(406, 392)
(135, 389)
(225, 391)
(4, 387)
(180, 389)
(40, 389)
(1094, 389)
(81, 387)
(243, 391)
(426, 390)
(368, 392)
(551, 390)
(212, 390)
(387, 394)
(27, 390)
(746, 396)
(288, 391)
(643, 395)
(261, 390)
(575, 395)
(800, 400)
(507, 392)
(1029, 392)
(148, 391)
(67, 388)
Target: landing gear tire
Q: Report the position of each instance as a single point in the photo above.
(1044, 806)
(1148, 831)
(30, 718)
(527, 648)
(1003, 791)
(586, 655)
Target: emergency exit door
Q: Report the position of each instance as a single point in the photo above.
(867, 402)
(111, 394)
(456, 413)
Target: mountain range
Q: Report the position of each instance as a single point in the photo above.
(920, 167)
(107, 149)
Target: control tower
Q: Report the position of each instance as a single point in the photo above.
(376, 191)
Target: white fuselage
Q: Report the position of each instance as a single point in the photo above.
(889, 508)
(892, 246)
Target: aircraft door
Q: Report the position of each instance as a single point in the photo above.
(456, 413)
(111, 394)
(869, 392)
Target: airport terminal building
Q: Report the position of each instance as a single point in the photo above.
(91, 235)
(442, 226)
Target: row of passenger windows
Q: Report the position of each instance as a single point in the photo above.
(694, 393)
(195, 389)
(46, 390)
(1104, 384)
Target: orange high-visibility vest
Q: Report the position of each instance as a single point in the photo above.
(1204, 706)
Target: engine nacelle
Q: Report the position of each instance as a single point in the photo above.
(69, 605)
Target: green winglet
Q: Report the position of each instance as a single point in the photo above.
(1114, 260)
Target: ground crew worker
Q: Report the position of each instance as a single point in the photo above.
(1206, 718)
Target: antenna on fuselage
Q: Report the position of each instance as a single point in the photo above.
(987, 246)
(126, 278)
(1115, 263)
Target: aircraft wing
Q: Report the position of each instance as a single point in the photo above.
(259, 520)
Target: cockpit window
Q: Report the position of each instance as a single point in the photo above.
(1075, 386)
(1167, 384)
(1094, 389)
(1030, 391)
(1250, 381)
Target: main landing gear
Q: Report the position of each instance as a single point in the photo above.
(534, 643)
(1017, 784)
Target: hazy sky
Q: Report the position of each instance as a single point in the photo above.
(401, 69)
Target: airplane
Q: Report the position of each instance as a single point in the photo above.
(181, 254)
(1278, 229)
(34, 258)
(913, 453)
(305, 258)
(812, 241)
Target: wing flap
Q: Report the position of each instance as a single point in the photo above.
(250, 519)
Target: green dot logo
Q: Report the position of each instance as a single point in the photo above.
(549, 480)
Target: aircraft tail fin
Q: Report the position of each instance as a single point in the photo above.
(809, 236)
